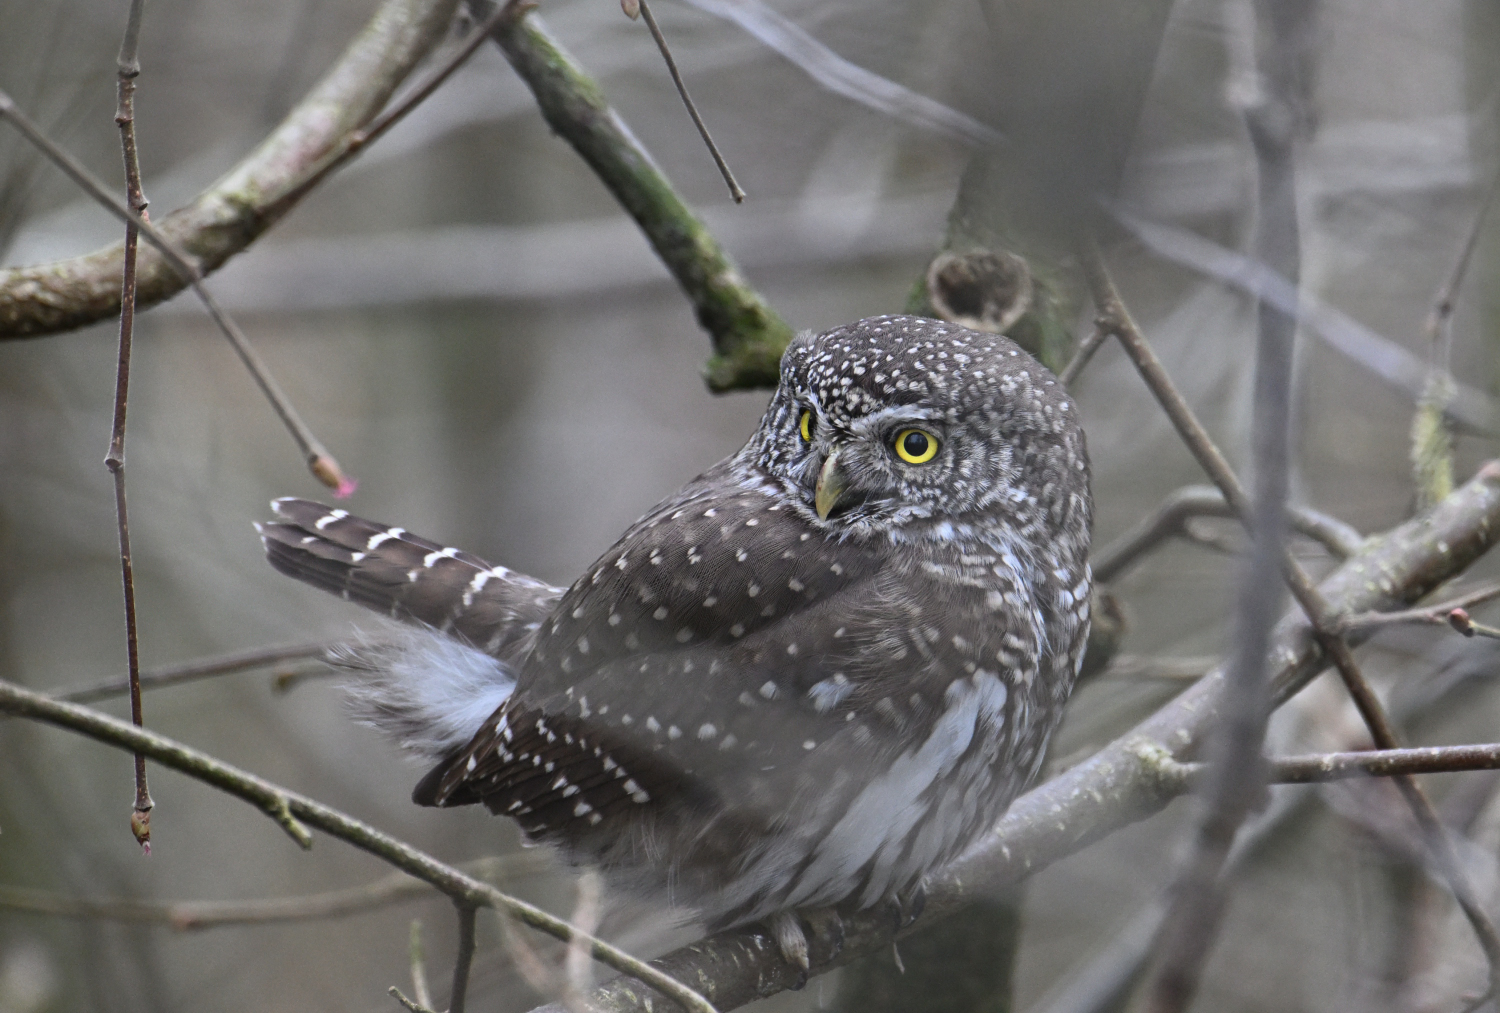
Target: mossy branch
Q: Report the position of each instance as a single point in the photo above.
(748, 336)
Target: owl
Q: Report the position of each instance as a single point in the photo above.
(813, 675)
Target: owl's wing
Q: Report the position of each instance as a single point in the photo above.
(719, 636)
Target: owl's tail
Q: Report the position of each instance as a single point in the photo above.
(433, 683)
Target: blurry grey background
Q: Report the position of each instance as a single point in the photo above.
(480, 336)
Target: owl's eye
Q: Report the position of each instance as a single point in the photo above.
(805, 427)
(916, 446)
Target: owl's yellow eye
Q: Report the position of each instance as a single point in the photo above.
(916, 446)
(806, 425)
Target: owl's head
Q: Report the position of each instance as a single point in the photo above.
(898, 425)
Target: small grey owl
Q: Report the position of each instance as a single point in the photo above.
(813, 675)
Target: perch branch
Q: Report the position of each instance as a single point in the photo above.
(1123, 783)
(1321, 613)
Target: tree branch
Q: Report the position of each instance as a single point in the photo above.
(1123, 783)
(748, 336)
(199, 915)
(291, 810)
(226, 218)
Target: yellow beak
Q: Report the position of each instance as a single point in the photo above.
(832, 484)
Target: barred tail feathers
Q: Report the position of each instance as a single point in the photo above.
(432, 682)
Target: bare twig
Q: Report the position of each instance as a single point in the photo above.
(1429, 615)
(1384, 763)
(191, 671)
(666, 54)
(586, 917)
(464, 959)
(291, 810)
(412, 1006)
(1081, 358)
(249, 198)
(1431, 435)
(352, 143)
(128, 68)
(202, 915)
(841, 77)
(748, 336)
(319, 461)
(419, 988)
(1168, 520)
(1235, 776)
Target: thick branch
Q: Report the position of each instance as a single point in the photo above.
(226, 218)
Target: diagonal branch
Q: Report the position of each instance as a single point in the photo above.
(748, 336)
(250, 198)
(1322, 614)
(1124, 782)
(291, 810)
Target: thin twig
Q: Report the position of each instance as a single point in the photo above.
(1440, 315)
(204, 668)
(319, 461)
(1384, 763)
(1429, 615)
(1081, 358)
(413, 1007)
(1235, 775)
(357, 140)
(202, 915)
(1324, 619)
(419, 988)
(666, 55)
(1168, 520)
(291, 810)
(464, 959)
(1431, 434)
(128, 68)
(586, 917)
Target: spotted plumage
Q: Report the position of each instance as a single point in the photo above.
(814, 674)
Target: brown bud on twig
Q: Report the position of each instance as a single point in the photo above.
(632, 8)
(140, 826)
(327, 471)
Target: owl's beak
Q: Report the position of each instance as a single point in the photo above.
(832, 484)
